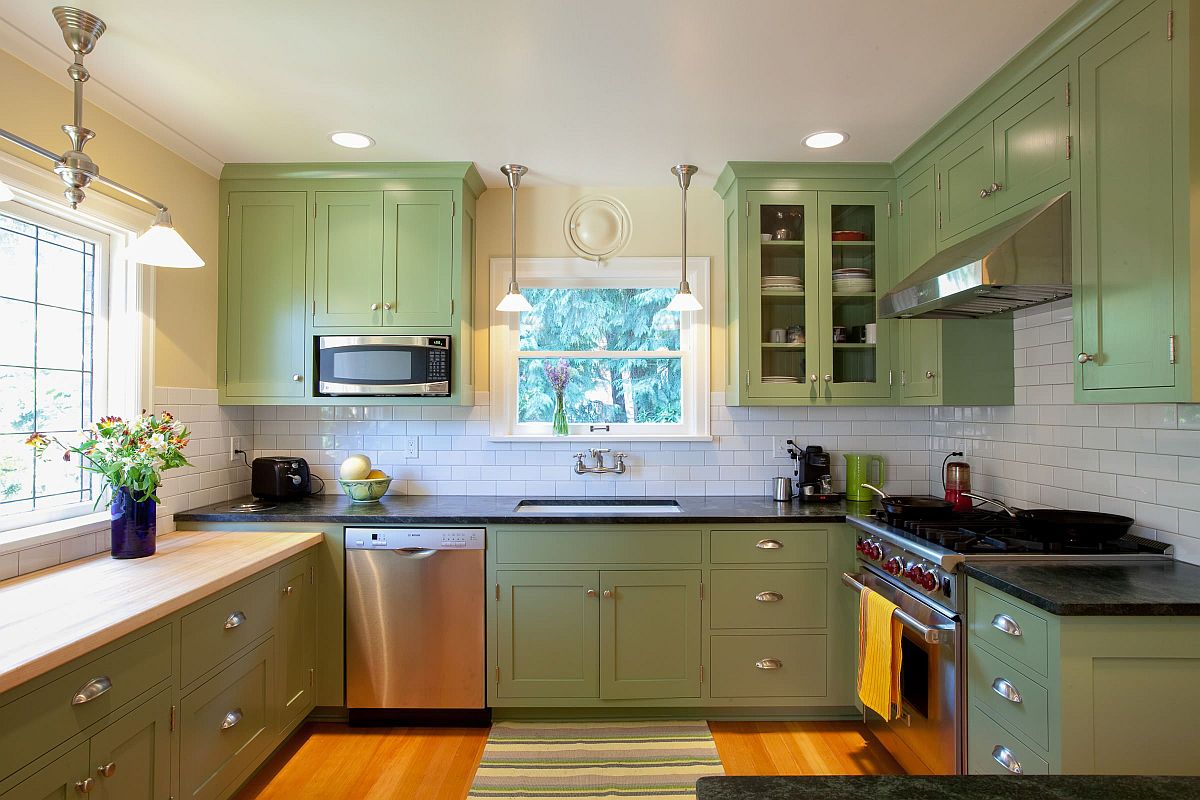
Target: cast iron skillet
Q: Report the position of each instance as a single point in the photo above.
(912, 507)
(1057, 525)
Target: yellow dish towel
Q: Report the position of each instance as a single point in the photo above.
(879, 634)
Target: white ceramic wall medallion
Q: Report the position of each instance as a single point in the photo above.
(597, 227)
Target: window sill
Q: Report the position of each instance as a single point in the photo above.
(603, 437)
(50, 532)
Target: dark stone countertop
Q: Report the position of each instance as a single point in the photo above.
(950, 787)
(1110, 587)
(470, 510)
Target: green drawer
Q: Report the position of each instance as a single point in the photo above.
(36, 722)
(224, 724)
(775, 546)
(768, 598)
(597, 545)
(1026, 640)
(738, 665)
(991, 682)
(217, 630)
(988, 742)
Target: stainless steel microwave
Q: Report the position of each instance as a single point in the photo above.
(383, 366)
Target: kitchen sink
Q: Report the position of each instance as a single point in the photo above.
(598, 507)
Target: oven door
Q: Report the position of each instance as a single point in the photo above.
(926, 736)
(383, 366)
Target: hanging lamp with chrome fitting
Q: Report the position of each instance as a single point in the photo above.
(684, 300)
(160, 246)
(514, 301)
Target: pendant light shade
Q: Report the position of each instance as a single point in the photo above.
(162, 246)
(684, 300)
(5, 192)
(514, 301)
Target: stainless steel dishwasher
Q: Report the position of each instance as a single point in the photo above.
(414, 625)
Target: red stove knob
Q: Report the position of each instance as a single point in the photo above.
(894, 566)
(913, 572)
(929, 581)
(861, 546)
(874, 551)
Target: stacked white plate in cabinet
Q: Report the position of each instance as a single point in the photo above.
(853, 280)
(779, 379)
(788, 283)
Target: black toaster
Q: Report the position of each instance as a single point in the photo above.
(280, 477)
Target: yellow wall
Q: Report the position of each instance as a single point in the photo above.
(34, 106)
(655, 216)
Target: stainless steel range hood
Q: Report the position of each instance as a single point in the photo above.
(1024, 262)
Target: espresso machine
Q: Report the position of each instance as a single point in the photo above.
(814, 476)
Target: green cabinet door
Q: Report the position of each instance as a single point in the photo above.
(131, 758)
(1125, 285)
(263, 294)
(547, 633)
(966, 172)
(297, 640)
(916, 224)
(418, 247)
(62, 779)
(650, 634)
(1030, 141)
(920, 348)
(348, 262)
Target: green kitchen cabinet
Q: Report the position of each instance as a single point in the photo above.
(1133, 310)
(1032, 144)
(418, 247)
(650, 634)
(547, 634)
(916, 220)
(349, 260)
(965, 174)
(262, 309)
(62, 779)
(297, 642)
(131, 758)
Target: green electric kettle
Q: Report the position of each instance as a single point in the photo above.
(858, 472)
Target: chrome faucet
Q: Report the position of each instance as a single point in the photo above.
(598, 455)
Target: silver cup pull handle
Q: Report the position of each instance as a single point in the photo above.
(235, 619)
(769, 544)
(768, 597)
(1006, 690)
(768, 663)
(91, 690)
(231, 719)
(1006, 624)
(1005, 758)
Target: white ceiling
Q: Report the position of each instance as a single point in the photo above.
(606, 92)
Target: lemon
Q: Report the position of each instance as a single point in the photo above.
(376, 474)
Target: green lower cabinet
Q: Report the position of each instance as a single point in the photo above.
(650, 634)
(297, 642)
(768, 598)
(131, 758)
(547, 632)
(992, 750)
(61, 779)
(769, 665)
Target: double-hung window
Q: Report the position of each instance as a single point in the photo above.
(634, 370)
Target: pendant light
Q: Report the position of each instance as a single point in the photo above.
(161, 245)
(684, 300)
(514, 301)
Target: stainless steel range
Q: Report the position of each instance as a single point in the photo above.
(918, 565)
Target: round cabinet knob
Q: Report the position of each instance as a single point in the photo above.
(607, 594)
(297, 377)
(374, 306)
(1084, 358)
(995, 187)
(85, 786)
(828, 378)
(813, 377)
(984, 193)
(288, 590)
(929, 374)
(387, 306)
(107, 770)
(590, 592)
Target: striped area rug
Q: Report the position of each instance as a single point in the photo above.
(581, 760)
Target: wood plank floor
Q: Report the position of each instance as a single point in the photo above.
(335, 762)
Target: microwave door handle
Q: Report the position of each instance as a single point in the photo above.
(933, 634)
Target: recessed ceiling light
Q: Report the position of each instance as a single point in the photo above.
(822, 139)
(351, 139)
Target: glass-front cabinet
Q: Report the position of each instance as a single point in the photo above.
(806, 298)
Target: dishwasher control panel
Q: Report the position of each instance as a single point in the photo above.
(414, 538)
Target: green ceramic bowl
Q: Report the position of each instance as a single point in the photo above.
(365, 491)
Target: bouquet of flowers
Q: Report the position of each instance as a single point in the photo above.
(130, 455)
(557, 374)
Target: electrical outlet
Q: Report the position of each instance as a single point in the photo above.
(779, 446)
(411, 447)
(235, 444)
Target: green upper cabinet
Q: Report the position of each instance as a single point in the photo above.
(916, 222)
(650, 634)
(418, 247)
(1032, 144)
(1132, 282)
(262, 294)
(965, 176)
(349, 259)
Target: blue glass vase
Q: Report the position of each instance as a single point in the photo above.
(133, 526)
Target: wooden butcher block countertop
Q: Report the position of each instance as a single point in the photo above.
(51, 617)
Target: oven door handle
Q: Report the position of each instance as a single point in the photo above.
(933, 634)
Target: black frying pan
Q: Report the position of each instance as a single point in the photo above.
(1058, 525)
(912, 507)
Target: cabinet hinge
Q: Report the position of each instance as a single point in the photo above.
(312, 575)
(889, 377)
(702, 673)
(452, 307)
(904, 377)
(747, 208)
(747, 379)
(939, 181)
(939, 220)
(314, 210)
(497, 591)
(226, 381)
(1172, 342)
(314, 309)
(497, 673)
(453, 209)
(701, 590)
(1170, 24)
(172, 717)
(889, 209)
(1068, 148)
(312, 677)
(227, 211)
(902, 208)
